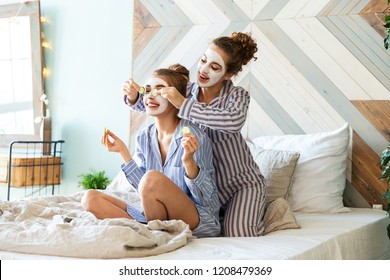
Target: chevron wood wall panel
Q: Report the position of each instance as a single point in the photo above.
(320, 64)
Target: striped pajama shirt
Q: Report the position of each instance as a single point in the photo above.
(202, 190)
(241, 186)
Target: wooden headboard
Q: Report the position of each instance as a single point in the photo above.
(320, 64)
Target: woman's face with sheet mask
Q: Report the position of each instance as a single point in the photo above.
(211, 67)
(154, 103)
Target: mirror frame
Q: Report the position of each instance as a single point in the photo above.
(32, 10)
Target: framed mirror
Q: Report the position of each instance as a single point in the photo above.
(21, 81)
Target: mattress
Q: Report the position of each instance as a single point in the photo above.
(356, 235)
(359, 234)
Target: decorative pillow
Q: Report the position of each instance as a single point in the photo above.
(319, 178)
(278, 168)
(278, 216)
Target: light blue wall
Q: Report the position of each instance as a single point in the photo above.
(89, 61)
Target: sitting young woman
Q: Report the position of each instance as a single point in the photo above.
(172, 168)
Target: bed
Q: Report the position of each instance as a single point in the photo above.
(305, 220)
(357, 235)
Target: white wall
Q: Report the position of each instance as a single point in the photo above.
(89, 61)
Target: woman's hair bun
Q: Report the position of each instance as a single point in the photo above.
(247, 44)
(240, 48)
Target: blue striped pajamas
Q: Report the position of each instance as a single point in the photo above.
(241, 186)
(202, 190)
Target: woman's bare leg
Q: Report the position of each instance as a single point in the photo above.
(104, 206)
(162, 199)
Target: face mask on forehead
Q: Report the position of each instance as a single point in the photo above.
(163, 103)
(214, 76)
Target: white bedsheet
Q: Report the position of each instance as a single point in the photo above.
(359, 234)
(59, 226)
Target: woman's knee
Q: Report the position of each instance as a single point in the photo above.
(151, 177)
(89, 199)
(151, 183)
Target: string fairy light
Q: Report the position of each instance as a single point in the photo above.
(45, 44)
(45, 19)
(46, 72)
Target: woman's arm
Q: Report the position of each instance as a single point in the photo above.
(203, 187)
(136, 169)
(190, 145)
(228, 116)
(132, 171)
(132, 97)
(114, 144)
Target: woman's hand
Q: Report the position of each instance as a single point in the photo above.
(131, 88)
(173, 96)
(115, 145)
(190, 145)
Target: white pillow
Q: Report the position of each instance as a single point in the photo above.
(277, 168)
(319, 178)
(122, 189)
(120, 183)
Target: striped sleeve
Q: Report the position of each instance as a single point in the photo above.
(133, 173)
(203, 187)
(132, 170)
(228, 116)
(137, 106)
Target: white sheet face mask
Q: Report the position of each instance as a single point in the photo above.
(163, 103)
(211, 57)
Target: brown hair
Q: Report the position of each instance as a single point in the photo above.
(181, 69)
(240, 47)
(176, 78)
